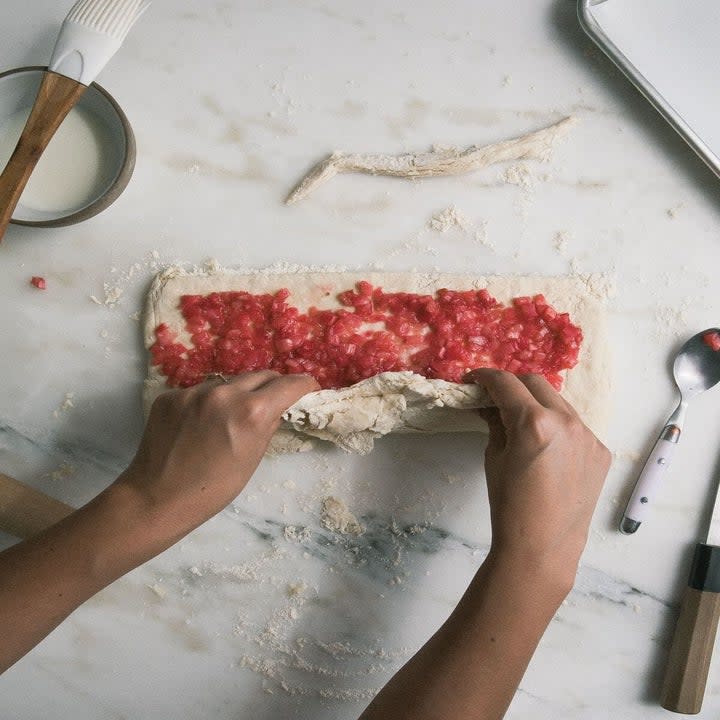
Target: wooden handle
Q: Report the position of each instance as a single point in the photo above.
(24, 512)
(56, 97)
(694, 638)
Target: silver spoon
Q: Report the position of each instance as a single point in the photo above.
(696, 369)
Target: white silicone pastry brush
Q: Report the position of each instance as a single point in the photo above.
(90, 35)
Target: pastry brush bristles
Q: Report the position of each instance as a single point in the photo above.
(110, 17)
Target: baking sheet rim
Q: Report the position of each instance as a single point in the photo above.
(592, 28)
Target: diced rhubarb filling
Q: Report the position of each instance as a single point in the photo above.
(712, 339)
(437, 336)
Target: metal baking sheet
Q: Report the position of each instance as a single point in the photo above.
(669, 49)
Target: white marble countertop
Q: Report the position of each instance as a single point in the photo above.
(231, 102)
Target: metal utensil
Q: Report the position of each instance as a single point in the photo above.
(696, 369)
(90, 35)
(694, 637)
(678, 80)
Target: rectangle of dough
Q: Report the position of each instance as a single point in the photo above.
(586, 387)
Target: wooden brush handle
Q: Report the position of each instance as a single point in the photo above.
(694, 638)
(56, 97)
(24, 511)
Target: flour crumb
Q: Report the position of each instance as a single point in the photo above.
(113, 293)
(296, 589)
(632, 456)
(254, 570)
(67, 404)
(121, 279)
(507, 81)
(297, 534)
(160, 591)
(672, 319)
(481, 236)
(519, 175)
(600, 285)
(335, 516)
(672, 212)
(446, 219)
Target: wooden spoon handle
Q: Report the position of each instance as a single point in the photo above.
(24, 511)
(694, 638)
(56, 97)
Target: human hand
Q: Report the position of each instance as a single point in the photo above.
(202, 445)
(544, 469)
(199, 450)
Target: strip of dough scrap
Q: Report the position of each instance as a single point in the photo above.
(392, 402)
(442, 161)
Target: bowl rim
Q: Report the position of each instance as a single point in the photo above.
(122, 178)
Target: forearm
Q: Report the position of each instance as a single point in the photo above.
(200, 447)
(44, 579)
(471, 668)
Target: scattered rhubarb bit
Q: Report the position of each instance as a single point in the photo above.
(712, 339)
(437, 336)
(38, 282)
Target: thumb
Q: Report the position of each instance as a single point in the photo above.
(498, 437)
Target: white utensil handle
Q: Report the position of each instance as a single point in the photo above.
(81, 53)
(648, 482)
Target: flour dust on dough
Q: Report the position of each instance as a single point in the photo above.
(393, 402)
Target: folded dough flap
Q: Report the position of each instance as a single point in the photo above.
(390, 402)
(395, 402)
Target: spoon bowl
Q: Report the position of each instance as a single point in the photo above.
(697, 365)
